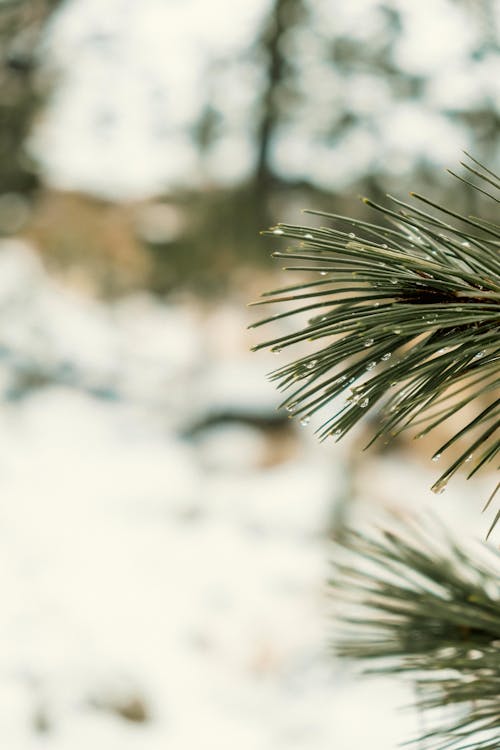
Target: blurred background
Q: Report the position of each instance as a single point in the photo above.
(164, 528)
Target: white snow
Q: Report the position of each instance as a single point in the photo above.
(139, 565)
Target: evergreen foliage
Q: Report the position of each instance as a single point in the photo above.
(416, 602)
(405, 319)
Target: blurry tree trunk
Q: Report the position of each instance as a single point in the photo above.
(269, 42)
(21, 26)
(283, 15)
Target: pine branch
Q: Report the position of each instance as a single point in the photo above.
(424, 607)
(405, 320)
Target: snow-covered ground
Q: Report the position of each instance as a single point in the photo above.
(163, 549)
(162, 581)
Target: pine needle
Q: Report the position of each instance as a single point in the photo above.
(404, 322)
(416, 603)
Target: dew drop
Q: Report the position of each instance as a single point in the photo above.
(396, 330)
(352, 235)
(436, 457)
(386, 356)
(276, 349)
(341, 379)
(479, 355)
(364, 403)
(368, 343)
(384, 246)
(308, 236)
(291, 407)
(310, 365)
(439, 487)
(393, 281)
(468, 459)
(278, 231)
(465, 244)
(371, 365)
(443, 350)
(305, 421)
(323, 273)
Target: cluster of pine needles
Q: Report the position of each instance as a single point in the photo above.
(416, 603)
(403, 318)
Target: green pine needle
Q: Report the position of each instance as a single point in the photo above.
(417, 603)
(405, 321)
